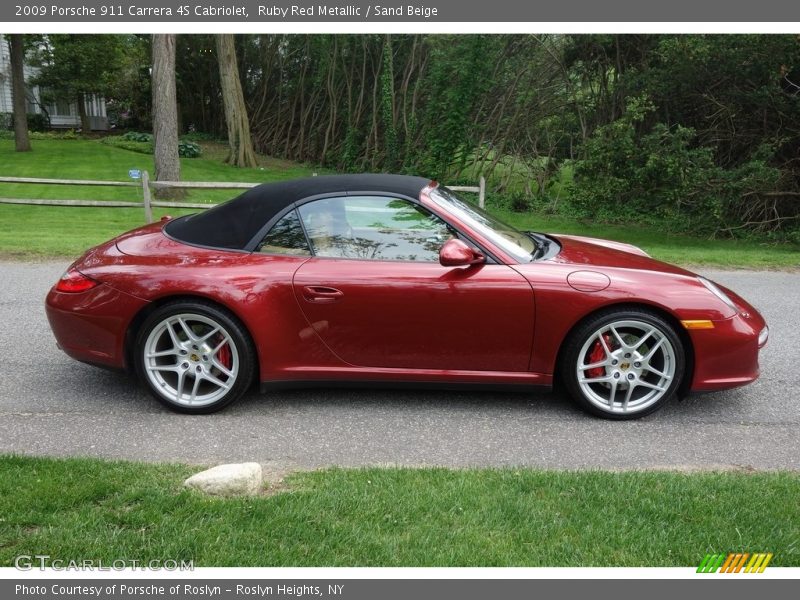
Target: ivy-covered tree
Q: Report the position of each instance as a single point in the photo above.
(240, 145)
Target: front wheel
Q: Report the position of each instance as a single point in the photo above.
(194, 357)
(623, 364)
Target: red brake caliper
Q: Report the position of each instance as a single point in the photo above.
(224, 356)
(597, 355)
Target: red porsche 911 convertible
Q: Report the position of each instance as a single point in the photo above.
(391, 280)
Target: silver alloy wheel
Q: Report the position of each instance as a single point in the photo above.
(191, 360)
(626, 366)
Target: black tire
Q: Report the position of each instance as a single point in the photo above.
(603, 390)
(217, 369)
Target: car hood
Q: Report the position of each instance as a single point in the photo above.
(595, 252)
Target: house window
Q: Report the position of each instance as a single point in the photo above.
(30, 94)
(61, 107)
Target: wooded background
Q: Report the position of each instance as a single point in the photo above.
(698, 132)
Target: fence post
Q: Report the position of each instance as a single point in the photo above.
(148, 210)
(482, 192)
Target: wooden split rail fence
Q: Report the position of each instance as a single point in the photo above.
(147, 188)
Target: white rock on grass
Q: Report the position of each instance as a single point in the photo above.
(228, 480)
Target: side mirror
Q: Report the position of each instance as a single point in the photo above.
(456, 253)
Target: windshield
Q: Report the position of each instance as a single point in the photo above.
(519, 245)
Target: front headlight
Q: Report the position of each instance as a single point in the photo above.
(715, 289)
(763, 337)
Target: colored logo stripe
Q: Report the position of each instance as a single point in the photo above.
(711, 563)
(758, 563)
(734, 562)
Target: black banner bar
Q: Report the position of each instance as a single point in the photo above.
(397, 11)
(729, 587)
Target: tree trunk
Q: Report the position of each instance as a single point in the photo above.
(165, 115)
(21, 139)
(86, 126)
(239, 141)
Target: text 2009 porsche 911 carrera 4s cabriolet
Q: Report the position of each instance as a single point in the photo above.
(389, 279)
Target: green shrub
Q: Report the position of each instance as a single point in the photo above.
(62, 134)
(120, 141)
(66, 134)
(36, 121)
(137, 136)
(200, 136)
(629, 172)
(188, 149)
(519, 201)
(143, 143)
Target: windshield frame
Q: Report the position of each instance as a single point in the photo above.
(488, 227)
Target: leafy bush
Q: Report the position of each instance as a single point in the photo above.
(36, 121)
(125, 143)
(188, 149)
(137, 136)
(143, 143)
(631, 173)
(519, 201)
(62, 134)
(66, 134)
(200, 136)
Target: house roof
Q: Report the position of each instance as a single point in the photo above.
(235, 223)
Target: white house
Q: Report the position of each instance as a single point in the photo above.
(63, 112)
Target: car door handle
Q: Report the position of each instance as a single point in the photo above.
(321, 294)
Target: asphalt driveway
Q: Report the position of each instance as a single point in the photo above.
(52, 405)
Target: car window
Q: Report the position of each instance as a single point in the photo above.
(374, 228)
(518, 244)
(286, 237)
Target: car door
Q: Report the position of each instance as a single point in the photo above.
(377, 296)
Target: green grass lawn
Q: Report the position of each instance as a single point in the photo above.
(43, 231)
(680, 249)
(84, 508)
(90, 159)
(47, 231)
(53, 231)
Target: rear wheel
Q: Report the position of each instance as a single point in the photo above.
(194, 357)
(623, 364)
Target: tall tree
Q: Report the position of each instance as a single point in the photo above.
(129, 97)
(197, 70)
(165, 113)
(239, 141)
(21, 139)
(74, 66)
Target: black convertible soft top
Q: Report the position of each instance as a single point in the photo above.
(235, 223)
